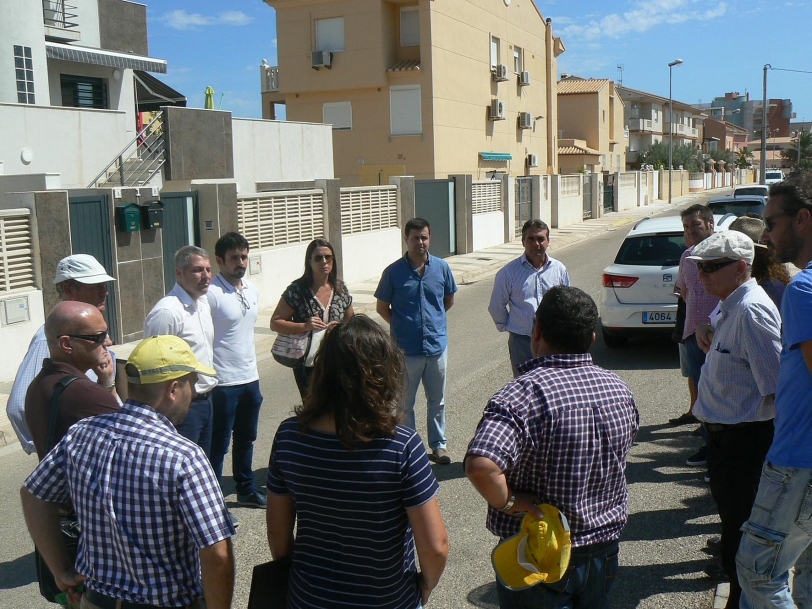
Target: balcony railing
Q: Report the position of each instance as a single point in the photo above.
(56, 13)
(639, 124)
(270, 77)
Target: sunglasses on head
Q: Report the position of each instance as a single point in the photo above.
(93, 338)
(323, 257)
(712, 267)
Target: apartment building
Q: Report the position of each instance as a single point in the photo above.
(420, 87)
(648, 120)
(748, 113)
(720, 134)
(591, 129)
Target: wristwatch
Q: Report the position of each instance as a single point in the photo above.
(509, 503)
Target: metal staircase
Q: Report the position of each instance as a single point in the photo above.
(139, 161)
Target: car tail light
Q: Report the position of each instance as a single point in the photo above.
(618, 281)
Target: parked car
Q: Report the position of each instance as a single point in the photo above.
(771, 176)
(638, 288)
(738, 205)
(761, 190)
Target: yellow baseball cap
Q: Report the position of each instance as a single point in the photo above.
(540, 552)
(162, 358)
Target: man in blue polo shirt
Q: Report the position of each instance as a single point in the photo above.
(413, 296)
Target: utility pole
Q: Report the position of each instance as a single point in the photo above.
(763, 167)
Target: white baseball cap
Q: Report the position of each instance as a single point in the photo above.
(727, 244)
(83, 268)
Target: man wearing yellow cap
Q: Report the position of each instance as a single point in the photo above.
(553, 443)
(155, 530)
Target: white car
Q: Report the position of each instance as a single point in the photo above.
(771, 176)
(761, 190)
(638, 288)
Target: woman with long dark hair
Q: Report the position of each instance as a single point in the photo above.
(356, 483)
(314, 302)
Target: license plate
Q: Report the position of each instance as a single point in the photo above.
(659, 317)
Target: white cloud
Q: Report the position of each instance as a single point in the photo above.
(181, 20)
(642, 17)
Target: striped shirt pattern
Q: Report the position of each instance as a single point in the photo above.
(517, 292)
(147, 501)
(562, 431)
(354, 545)
(698, 303)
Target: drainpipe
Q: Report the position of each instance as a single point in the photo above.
(552, 87)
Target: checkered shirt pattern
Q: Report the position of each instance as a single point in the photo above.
(562, 430)
(147, 501)
(698, 303)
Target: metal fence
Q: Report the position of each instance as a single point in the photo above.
(16, 250)
(368, 208)
(281, 217)
(486, 196)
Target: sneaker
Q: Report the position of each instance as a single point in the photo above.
(715, 571)
(235, 522)
(714, 545)
(699, 459)
(707, 477)
(254, 498)
(440, 456)
(684, 419)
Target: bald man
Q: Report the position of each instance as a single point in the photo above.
(77, 341)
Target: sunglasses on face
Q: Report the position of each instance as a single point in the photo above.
(93, 338)
(323, 257)
(712, 267)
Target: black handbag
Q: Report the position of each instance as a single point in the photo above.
(70, 526)
(269, 585)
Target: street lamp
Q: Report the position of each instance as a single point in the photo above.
(671, 65)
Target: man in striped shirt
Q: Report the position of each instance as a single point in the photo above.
(519, 287)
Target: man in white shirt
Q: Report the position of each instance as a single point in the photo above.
(519, 287)
(185, 312)
(79, 277)
(236, 400)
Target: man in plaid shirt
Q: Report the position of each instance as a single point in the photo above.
(155, 530)
(559, 434)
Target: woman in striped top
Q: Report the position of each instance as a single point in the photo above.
(357, 484)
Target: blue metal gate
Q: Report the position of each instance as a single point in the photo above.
(180, 228)
(434, 201)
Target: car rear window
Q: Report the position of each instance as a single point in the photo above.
(772, 175)
(737, 207)
(755, 190)
(651, 250)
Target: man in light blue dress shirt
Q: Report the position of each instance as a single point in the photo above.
(519, 287)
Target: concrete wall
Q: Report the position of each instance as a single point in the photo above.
(273, 151)
(87, 140)
(565, 208)
(123, 26)
(626, 192)
(21, 23)
(359, 265)
(199, 144)
(489, 229)
(279, 266)
(29, 183)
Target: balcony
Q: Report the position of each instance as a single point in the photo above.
(60, 21)
(270, 77)
(639, 124)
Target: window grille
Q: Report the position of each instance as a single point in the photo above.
(281, 218)
(16, 250)
(368, 208)
(570, 185)
(486, 196)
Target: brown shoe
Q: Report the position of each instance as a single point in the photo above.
(440, 456)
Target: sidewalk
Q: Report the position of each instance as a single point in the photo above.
(467, 269)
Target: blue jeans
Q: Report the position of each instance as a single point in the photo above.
(777, 537)
(519, 349)
(196, 425)
(236, 410)
(586, 584)
(430, 370)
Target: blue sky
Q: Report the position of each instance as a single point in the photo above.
(724, 46)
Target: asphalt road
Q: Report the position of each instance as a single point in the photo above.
(671, 512)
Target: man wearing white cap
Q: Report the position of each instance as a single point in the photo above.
(79, 277)
(736, 390)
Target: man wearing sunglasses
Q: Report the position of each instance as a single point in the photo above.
(77, 341)
(79, 278)
(236, 400)
(778, 534)
(735, 397)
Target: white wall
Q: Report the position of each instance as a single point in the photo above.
(627, 198)
(21, 22)
(17, 336)
(29, 183)
(120, 92)
(366, 255)
(75, 143)
(268, 151)
(280, 266)
(570, 210)
(489, 229)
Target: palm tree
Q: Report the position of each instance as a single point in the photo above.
(744, 158)
(802, 143)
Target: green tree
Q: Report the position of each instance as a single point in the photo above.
(683, 154)
(803, 142)
(744, 158)
(726, 155)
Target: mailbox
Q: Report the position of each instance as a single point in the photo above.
(129, 218)
(152, 215)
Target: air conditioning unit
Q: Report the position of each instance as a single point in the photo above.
(532, 160)
(497, 110)
(524, 79)
(500, 72)
(321, 59)
(525, 120)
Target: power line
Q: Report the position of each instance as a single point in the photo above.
(788, 70)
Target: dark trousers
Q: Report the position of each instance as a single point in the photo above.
(735, 456)
(302, 374)
(235, 411)
(196, 426)
(586, 584)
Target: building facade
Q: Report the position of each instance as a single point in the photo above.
(420, 87)
(747, 113)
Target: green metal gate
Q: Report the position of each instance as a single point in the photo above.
(608, 192)
(523, 203)
(181, 227)
(90, 234)
(434, 201)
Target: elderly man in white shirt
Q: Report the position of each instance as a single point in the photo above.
(185, 312)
